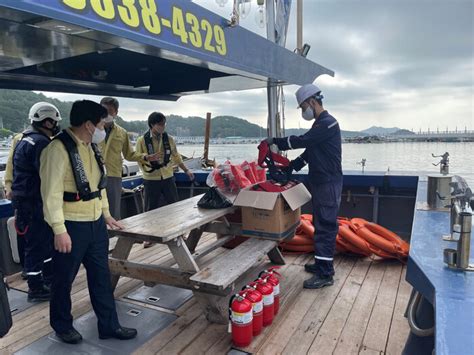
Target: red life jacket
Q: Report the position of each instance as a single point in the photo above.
(272, 186)
(278, 165)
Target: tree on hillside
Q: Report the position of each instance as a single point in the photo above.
(15, 105)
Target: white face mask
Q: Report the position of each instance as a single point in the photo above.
(308, 114)
(98, 136)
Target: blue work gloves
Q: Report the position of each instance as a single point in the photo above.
(297, 164)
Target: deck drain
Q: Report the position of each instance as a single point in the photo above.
(163, 296)
(153, 299)
(133, 312)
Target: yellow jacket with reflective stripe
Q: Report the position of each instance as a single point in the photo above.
(9, 167)
(57, 176)
(118, 143)
(165, 172)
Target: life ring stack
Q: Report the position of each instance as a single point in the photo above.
(303, 240)
(356, 236)
(367, 238)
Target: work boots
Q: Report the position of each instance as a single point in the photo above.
(311, 267)
(39, 294)
(70, 337)
(318, 282)
(121, 333)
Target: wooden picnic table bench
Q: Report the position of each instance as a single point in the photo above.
(169, 225)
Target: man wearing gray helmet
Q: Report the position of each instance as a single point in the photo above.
(322, 144)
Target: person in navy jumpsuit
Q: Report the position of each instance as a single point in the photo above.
(322, 154)
(29, 219)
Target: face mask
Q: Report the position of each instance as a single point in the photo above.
(98, 136)
(55, 130)
(109, 119)
(308, 114)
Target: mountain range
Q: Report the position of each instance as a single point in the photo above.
(380, 131)
(14, 107)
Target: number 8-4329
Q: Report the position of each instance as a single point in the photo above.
(187, 27)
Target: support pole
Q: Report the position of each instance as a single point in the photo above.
(271, 86)
(207, 135)
(299, 25)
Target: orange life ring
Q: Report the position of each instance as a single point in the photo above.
(347, 247)
(404, 247)
(303, 240)
(354, 243)
(378, 241)
(285, 247)
(380, 253)
(305, 227)
(343, 221)
(300, 239)
(341, 245)
(357, 223)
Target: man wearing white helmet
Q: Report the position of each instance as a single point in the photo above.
(322, 144)
(27, 200)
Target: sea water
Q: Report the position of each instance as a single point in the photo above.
(410, 157)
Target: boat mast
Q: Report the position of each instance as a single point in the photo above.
(272, 101)
(299, 25)
(277, 26)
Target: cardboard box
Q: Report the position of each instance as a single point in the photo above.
(271, 215)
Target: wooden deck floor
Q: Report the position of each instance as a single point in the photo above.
(361, 314)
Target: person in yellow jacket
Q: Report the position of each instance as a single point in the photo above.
(116, 144)
(158, 175)
(75, 205)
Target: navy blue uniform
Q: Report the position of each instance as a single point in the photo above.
(27, 202)
(322, 153)
(90, 247)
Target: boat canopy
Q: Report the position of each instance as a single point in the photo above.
(137, 48)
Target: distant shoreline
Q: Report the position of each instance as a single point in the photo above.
(343, 142)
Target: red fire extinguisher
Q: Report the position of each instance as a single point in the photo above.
(273, 277)
(256, 298)
(266, 289)
(241, 319)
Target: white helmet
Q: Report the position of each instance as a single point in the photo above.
(43, 110)
(307, 91)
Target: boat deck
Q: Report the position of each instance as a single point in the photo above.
(361, 314)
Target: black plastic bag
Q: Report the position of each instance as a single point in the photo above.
(5, 313)
(212, 199)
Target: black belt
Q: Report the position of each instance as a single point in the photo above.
(74, 196)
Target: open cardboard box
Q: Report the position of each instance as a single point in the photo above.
(271, 215)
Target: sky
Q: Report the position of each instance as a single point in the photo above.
(397, 63)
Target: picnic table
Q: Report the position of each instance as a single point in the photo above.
(169, 225)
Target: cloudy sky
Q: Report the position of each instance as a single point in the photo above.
(404, 63)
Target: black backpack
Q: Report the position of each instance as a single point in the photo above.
(5, 313)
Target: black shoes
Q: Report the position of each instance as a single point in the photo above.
(318, 281)
(121, 333)
(70, 337)
(40, 294)
(74, 337)
(311, 267)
